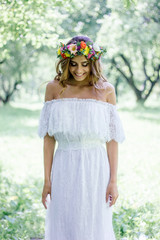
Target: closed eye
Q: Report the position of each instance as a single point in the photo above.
(85, 65)
(74, 64)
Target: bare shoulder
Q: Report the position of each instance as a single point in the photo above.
(51, 90)
(110, 93)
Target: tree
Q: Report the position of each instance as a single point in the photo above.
(85, 18)
(133, 45)
(14, 69)
(25, 27)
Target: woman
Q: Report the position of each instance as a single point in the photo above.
(80, 113)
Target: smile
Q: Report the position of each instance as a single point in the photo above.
(79, 75)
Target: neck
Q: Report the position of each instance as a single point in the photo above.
(74, 82)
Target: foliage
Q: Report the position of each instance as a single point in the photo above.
(133, 45)
(133, 222)
(20, 215)
(25, 26)
(35, 22)
(128, 3)
(38, 22)
(85, 18)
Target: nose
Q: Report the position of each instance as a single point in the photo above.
(79, 69)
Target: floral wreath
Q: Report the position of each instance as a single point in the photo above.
(91, 50)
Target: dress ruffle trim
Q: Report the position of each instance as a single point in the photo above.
(95, 117)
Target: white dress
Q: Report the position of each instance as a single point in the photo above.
(80, 170)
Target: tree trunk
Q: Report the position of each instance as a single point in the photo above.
(141, 95)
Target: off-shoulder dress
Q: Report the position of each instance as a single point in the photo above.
(80, 170)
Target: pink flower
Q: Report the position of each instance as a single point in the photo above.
(90, 55)
(72, 48)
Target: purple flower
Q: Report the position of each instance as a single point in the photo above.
(78, 47)
(93, 52)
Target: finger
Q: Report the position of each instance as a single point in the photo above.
(107, 196)
(51, 195)
(113, 201)
(44, 203)
(44, 200)
(110, 199)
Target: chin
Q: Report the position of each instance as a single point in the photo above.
(77, 79)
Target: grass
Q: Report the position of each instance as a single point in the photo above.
(135, 214)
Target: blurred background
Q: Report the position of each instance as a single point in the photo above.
(30, 32)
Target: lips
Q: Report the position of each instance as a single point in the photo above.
(79, 75)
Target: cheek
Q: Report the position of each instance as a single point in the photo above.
(88, 69)
(71, 69)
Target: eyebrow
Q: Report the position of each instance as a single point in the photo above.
(81, 62)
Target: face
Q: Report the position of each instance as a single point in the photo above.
(79, 67)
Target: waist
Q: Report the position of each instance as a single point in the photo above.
(82, 144)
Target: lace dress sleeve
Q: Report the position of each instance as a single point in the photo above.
(116, 130)
(44, 119)
(100, 84)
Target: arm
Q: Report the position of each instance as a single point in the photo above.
(48, 151)
(112, 151)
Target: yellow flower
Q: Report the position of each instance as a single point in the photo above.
(67, 54)
(59, 51)
(86, 50)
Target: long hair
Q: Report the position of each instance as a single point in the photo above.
(62, 67)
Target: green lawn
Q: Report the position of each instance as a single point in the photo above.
(136, 213)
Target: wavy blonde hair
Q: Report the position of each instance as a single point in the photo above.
(62, 66)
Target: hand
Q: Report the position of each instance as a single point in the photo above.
(112, 192)
(46, 191)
